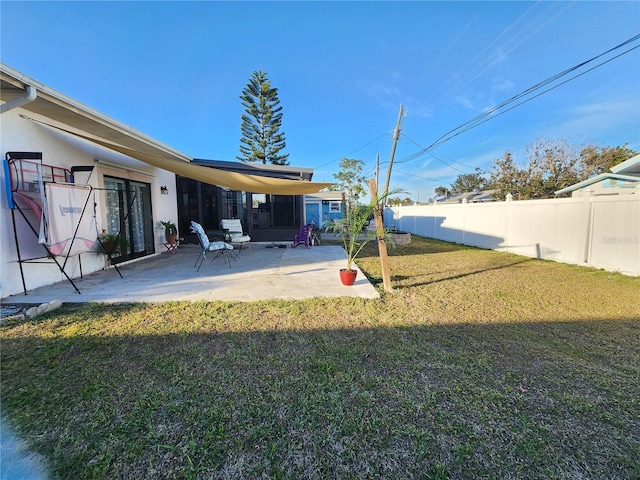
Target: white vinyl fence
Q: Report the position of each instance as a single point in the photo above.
(601, 232)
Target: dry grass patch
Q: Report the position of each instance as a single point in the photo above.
(479, 365)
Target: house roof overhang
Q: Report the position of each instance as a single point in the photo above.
(55, 109)
(274, 171)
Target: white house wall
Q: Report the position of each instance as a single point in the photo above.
(598, 231)
(62, 150)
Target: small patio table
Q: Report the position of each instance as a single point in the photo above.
(172, 247)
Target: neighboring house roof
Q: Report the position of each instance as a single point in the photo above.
(470, 197)
(627, 171)
(598, 178)
(337, 196)
(628, 167)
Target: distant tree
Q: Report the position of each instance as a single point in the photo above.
(469, 182)
(350, 179)
(508, 178)
(261, 139)
(554, 165)
(442, 191)
(395, 201)
(596, 160)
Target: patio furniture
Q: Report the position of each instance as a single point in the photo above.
(304, 236)
(235, 233)
(221, 248)
(173, 246)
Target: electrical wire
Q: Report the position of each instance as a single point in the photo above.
(491, 113)
(437, 144)
(420, 176)
(484, 65)
(353, 151)
(433, 155)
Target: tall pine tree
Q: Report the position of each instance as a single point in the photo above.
(261, 139)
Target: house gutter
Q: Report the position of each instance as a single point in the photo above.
(29, 97)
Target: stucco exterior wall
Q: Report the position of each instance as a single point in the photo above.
(63, 150)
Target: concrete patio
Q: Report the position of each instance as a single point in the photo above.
(267, 272)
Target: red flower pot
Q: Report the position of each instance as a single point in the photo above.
(348, 277)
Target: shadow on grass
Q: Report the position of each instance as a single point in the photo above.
(471, 400)
(455, 277)
(418, 246)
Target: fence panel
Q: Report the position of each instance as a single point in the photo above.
(615, 235)
(554, 229)
(602, 232)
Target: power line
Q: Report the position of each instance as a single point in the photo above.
(353, 151)
(476, 71)
(433, 155)
(421, 176)
(475, 124)
(482, 118)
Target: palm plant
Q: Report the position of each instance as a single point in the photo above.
(352, 230)
(170, 231)
(112, 244)
(169, 227)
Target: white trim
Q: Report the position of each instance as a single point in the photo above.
(597, 179)
(102, 163)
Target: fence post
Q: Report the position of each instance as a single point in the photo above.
(464, 221)
(508, 200)
(588, 227)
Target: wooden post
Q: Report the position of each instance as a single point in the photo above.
(382, 244)
(377, 212)
(396, 134)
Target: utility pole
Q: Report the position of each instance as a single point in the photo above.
(396, 134)
(377, 211)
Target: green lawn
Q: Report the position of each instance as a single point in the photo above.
(479, 365)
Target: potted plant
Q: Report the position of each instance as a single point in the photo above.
(351, 230)
(170, 231)
(111, 244)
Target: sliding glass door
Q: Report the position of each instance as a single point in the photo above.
(128, 212)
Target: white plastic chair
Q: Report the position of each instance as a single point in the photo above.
(208, 246)
(235, 233)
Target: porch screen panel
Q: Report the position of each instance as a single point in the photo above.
(283, 210)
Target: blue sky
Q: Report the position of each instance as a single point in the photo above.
(175, 70)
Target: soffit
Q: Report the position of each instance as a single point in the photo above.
(61, 109)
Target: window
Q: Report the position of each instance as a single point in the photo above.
(335, 207)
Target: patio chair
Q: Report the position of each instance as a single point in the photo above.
(235, 233)
(221, 248)
(304, 236)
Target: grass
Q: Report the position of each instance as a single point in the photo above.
(479, 365)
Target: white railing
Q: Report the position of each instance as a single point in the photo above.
(600, 231)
